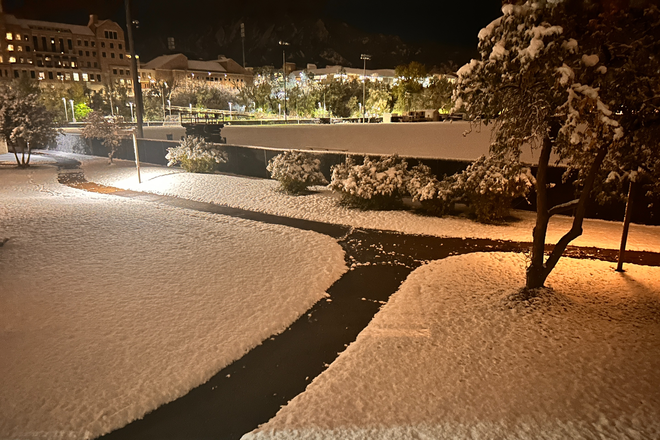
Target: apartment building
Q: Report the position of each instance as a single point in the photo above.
(177, 67)
(57, 52)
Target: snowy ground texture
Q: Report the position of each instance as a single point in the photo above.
(452, 356)
(262, 195)
(110, 307)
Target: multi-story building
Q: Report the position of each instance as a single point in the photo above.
(177, 67)
(57, 52)
(332, 73)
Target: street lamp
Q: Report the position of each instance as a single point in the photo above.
(66, 114)
(364, 57)
(284, 44)
(73, 113)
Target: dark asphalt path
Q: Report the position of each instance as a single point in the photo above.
(252, 389)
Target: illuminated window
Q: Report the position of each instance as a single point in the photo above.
(60, 76)
(121, 81)
(42, 75)
(76, 77)
(19, 48)
(85, 77)
(10, 47)
(1, 59)
(67, 76)
(10, 36)
(12, 59)
(73, 64)
(17, 37)
(30, 61)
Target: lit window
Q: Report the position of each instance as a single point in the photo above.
(17, 37)
(10, 36)
(85, 77)
(42, 75)
(1, 59)
(19, 48)
(76, 77)
(121, 81)
(67, 76)
(73, 64)
(10, 47)
(29, 61)
(12, 59)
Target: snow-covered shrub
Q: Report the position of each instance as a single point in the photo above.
(434, 195)
(296, 171)
(375, 184)
(489, 185)
(196, 155)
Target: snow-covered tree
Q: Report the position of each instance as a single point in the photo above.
(542, 80)
(296, 171)
(24, 123)
(110, 131)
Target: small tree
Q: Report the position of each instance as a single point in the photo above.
(110, 131)
(24, 123)
(542, 79)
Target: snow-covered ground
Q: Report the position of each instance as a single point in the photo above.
(262, 195)
(451, 356)
(110, 307)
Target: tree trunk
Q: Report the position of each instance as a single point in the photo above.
(626, 225)
(540, 274)
(536, 270)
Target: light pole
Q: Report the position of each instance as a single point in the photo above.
(132, 117)
(137, 89)
(284, 44)
(66, 114)
(364, 57)
(73, 113)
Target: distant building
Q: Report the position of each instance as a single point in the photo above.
(57, 52)
(223, 71)
(332, 73)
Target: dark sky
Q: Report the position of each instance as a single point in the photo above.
(451, 22)
(454, 23)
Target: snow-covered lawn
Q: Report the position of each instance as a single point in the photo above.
(261, 195)
(110, 307)
(452, 356)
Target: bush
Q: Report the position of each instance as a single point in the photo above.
(425, 188)
(196, 155)
(489, 185)
(296, 171)
(375, 184)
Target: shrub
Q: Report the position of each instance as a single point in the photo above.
(296, 171)
(196, 155)
(425, 188)
(375, 184)
(489, 185)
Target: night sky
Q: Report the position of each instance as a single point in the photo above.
(454, 23)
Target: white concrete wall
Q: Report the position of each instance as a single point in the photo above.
(446, 140)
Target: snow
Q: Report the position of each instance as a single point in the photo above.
(111, 307)
(590, 60)
(262, 196)
(451, 355)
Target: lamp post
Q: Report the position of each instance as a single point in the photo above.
(137, 89)
(73, 113)
(364, 57)
(284, 44)
(66, 113)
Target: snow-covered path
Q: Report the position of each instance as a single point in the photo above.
(451, 356)
(111, 307)
(262, 196)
